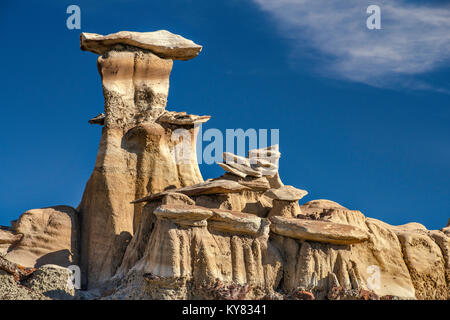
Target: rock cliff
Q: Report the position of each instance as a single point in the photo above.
(149, 227)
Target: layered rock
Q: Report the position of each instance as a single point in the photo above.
(259, 163)
(285, 201)
(45, 236)
(162, 42)
(320, 248)
(186, 249)
(137, 153)
(153, 229)
(8, 238)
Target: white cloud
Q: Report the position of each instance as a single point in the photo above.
(413, 39)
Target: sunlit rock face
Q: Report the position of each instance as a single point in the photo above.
(135, 155)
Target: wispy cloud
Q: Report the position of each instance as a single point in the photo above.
(413, 40)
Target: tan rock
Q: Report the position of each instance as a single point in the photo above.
(265, 153)
(288, 209)
(443, 241)
(98, 119)
(136, 155)
(183, 215)
(52, 281)
(275, 181)
(425, 264)
(243, 169)
(286, 193)
(181, 118)
(319, 231)
(11, 290)
(238, 223)
(207, 187)
(232, 170)
(178, 199)
(50, 236)
(163, 43)
(178, 258)
(318, 206)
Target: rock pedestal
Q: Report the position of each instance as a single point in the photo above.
(136, 155)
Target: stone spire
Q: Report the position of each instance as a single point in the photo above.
(135, 155)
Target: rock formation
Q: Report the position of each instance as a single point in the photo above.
(137, 144)
(151, 228)
(43, 236)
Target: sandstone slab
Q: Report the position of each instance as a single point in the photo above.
(163, 43)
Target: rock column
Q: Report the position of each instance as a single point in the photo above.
(134, 157)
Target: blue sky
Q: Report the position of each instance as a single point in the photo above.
(364, 116)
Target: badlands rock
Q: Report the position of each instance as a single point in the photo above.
(426, 265)
(234, 237)
(177, 198)
(265, 153)
(229, 157)
(181, 118)
(238, 223)
(208, 187)
(136, 156)
(255, 184)
(163, 43)
(52, 281)
(49, 235)
(98, 119)
(318, 231)
(232, 170)
(183, 215)
(47, 282)
(240, 169)
(319, 206)
(287, 209)
(18, 272)
(286, 193)
(11, 290)
(8, 239)
(285, 201)
(261, 162)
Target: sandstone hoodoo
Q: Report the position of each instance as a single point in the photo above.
(149, 227)
(135, 154)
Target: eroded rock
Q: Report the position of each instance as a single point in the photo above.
(320, 231)
(163, 43)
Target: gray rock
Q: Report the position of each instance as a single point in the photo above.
(52, 281)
